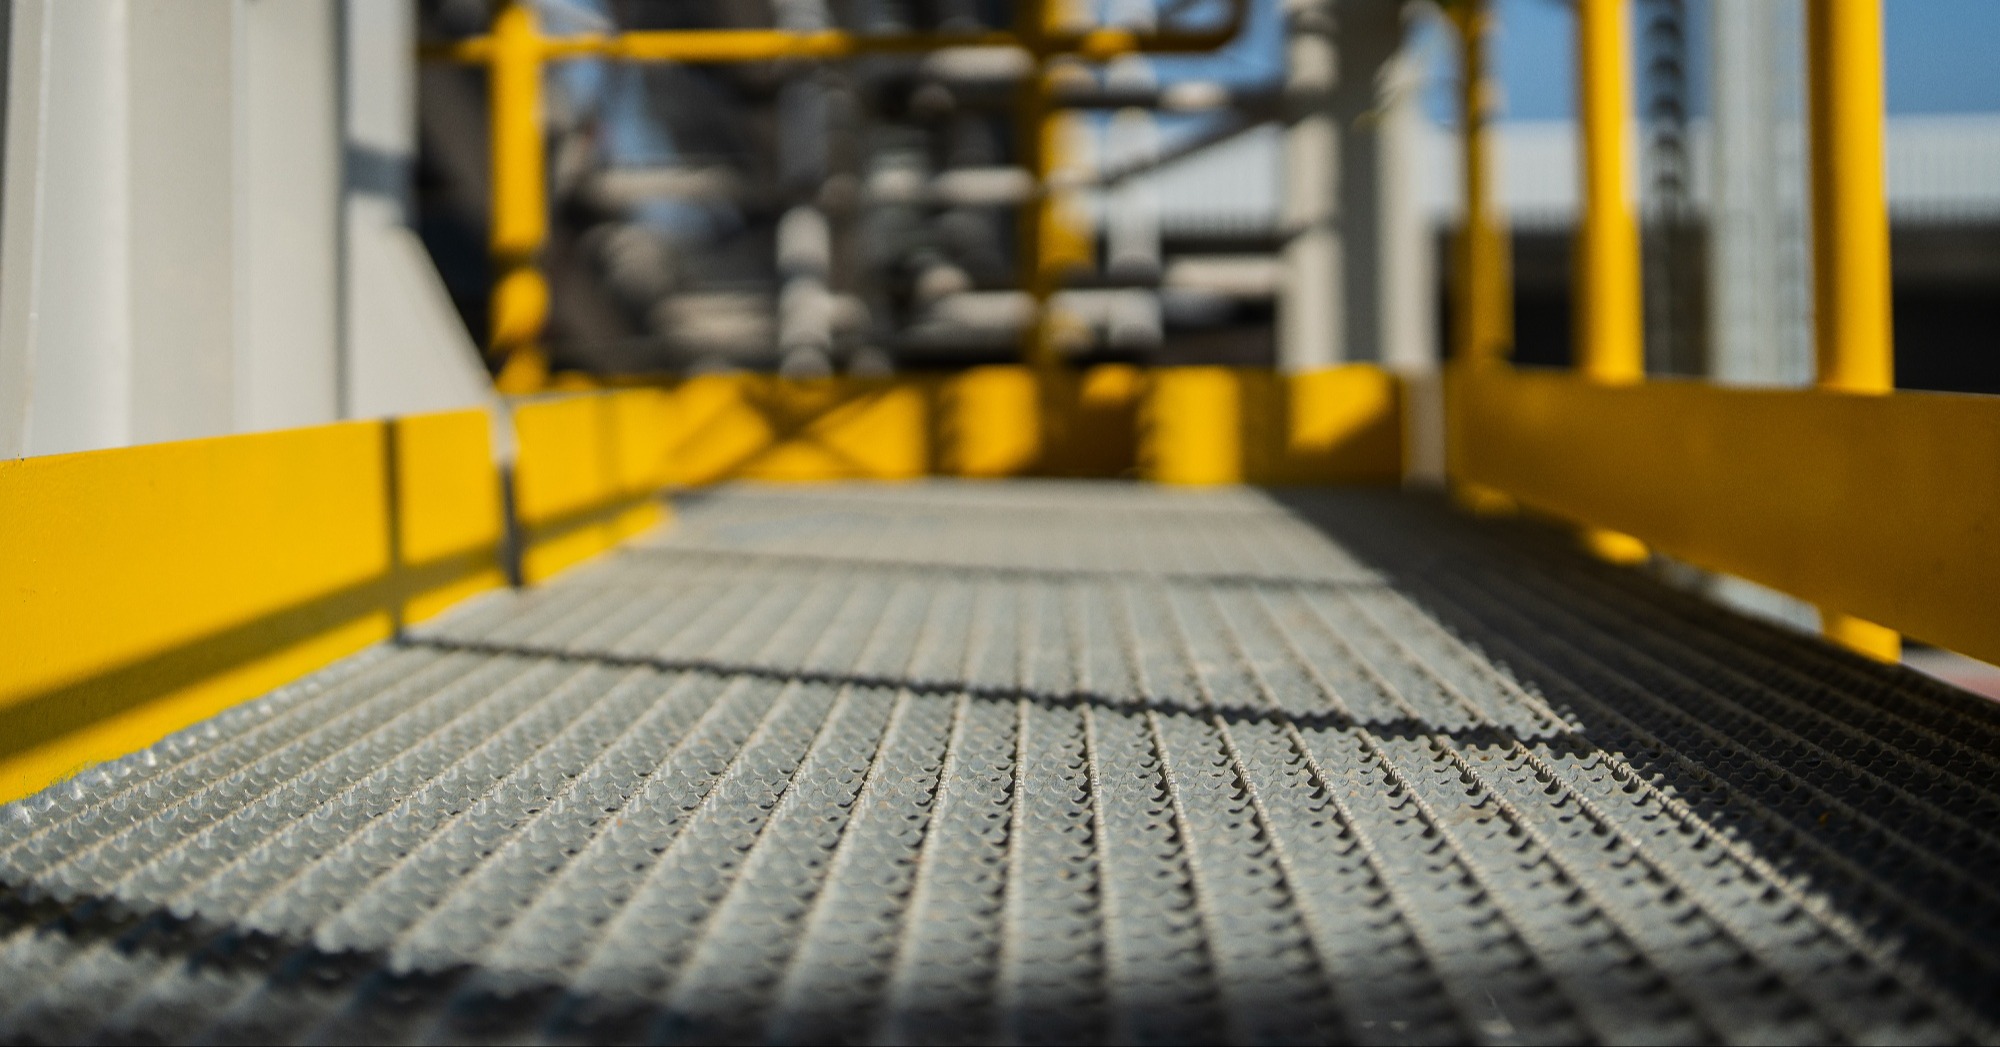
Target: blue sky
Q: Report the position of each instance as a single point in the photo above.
(1939, 56)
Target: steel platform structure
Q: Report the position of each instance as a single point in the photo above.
(1040, 762)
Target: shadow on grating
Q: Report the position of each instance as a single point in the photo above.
(1040, 763)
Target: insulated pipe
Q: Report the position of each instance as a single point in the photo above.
(1343, 190)
(1131, 213)
(1851, 321)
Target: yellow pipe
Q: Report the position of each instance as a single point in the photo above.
(1482, 304)
(1609, 345)
(1050, 244)
(1877, 505)
(1032, 144)
(520, 305)
(1850, 211)
(764, 45)
(1851, 312)
(753, 45)
(1054, 241)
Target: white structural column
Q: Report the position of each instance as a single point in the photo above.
(1398, 274)
(1311, 306)
(288, 366)
(1399, 278)
(403, 347)
(65, 331)
(1357, 265)
(1760, 237)
(1759, 271)
(1134, 319)
(187, 278)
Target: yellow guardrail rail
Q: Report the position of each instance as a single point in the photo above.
(1176, 425)
(1884, 506)
(587, 474)
(146, 588)
(1869, 502)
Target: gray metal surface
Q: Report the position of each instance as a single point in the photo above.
(1040, 762)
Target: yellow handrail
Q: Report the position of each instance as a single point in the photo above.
(1607, 449)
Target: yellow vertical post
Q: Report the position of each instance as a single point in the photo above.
(1032, 110)
(1849, 206)
(520, 306)
(1609, 345)
(1482, 291)
(1851, 318)
(1051, 241)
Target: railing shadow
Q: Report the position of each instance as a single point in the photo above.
(1871, 790)
(279, 610)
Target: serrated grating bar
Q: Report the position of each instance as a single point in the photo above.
(1040, 762)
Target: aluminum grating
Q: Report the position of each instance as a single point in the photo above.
(1040, 762)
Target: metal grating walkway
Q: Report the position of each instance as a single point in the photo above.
(1040, 762)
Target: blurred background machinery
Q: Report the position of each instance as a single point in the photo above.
(818, 218)
(869, 214)
(1285, 200)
